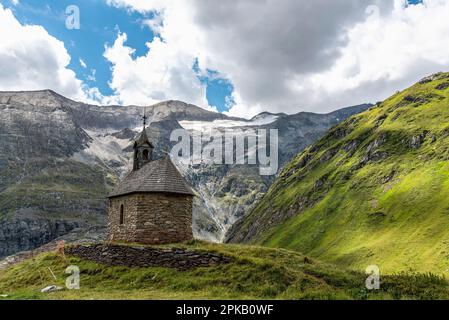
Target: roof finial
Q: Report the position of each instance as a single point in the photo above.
(144, 119)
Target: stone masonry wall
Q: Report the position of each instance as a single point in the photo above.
(142, 256)
(164, 218)
(151, 218)
(125, 232)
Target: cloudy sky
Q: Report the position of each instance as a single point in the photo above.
(241, 57)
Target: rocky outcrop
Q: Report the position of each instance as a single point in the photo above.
(26, 234)
(416, 141)
(142, 256)
(442, 86)
(372, 153)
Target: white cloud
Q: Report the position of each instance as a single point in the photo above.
(164, 73)
(92, 76)
(384, 55)
(31, 59)
(280, 56)
(82, 63)
(139, 5)
(155, 24)
(288, 56)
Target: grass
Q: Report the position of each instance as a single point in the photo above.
(392, 211)
(255, 273)
(63, 191)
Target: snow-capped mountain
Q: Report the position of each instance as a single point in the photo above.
(59, 158)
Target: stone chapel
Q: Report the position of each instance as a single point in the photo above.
(153, 203)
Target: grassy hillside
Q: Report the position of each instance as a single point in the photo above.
(254, 273)
(374, 190)
(57, 189)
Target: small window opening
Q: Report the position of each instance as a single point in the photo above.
(122, 209)
(146, 154)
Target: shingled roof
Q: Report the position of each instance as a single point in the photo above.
(156, 176)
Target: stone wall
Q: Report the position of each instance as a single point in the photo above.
(151, 218)
(141, 256)
(126, 231)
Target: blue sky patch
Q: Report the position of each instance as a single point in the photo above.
(100, 24)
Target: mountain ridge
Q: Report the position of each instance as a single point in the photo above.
(370, 191)
(172, 103)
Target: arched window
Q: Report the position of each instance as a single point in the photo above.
(122, 214)
(146, 154)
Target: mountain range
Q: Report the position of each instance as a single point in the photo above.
(59, 158)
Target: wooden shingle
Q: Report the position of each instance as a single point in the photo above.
(156, 176)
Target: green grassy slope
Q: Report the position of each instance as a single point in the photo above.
(255, 273)
(57, 189)
(374, 190)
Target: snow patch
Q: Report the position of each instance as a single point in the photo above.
(219, 124)
(104, 147)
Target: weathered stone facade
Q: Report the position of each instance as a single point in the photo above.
(151, 218)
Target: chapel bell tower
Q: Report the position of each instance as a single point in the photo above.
(143, 148)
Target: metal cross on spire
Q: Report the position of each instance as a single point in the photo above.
(144, 119)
